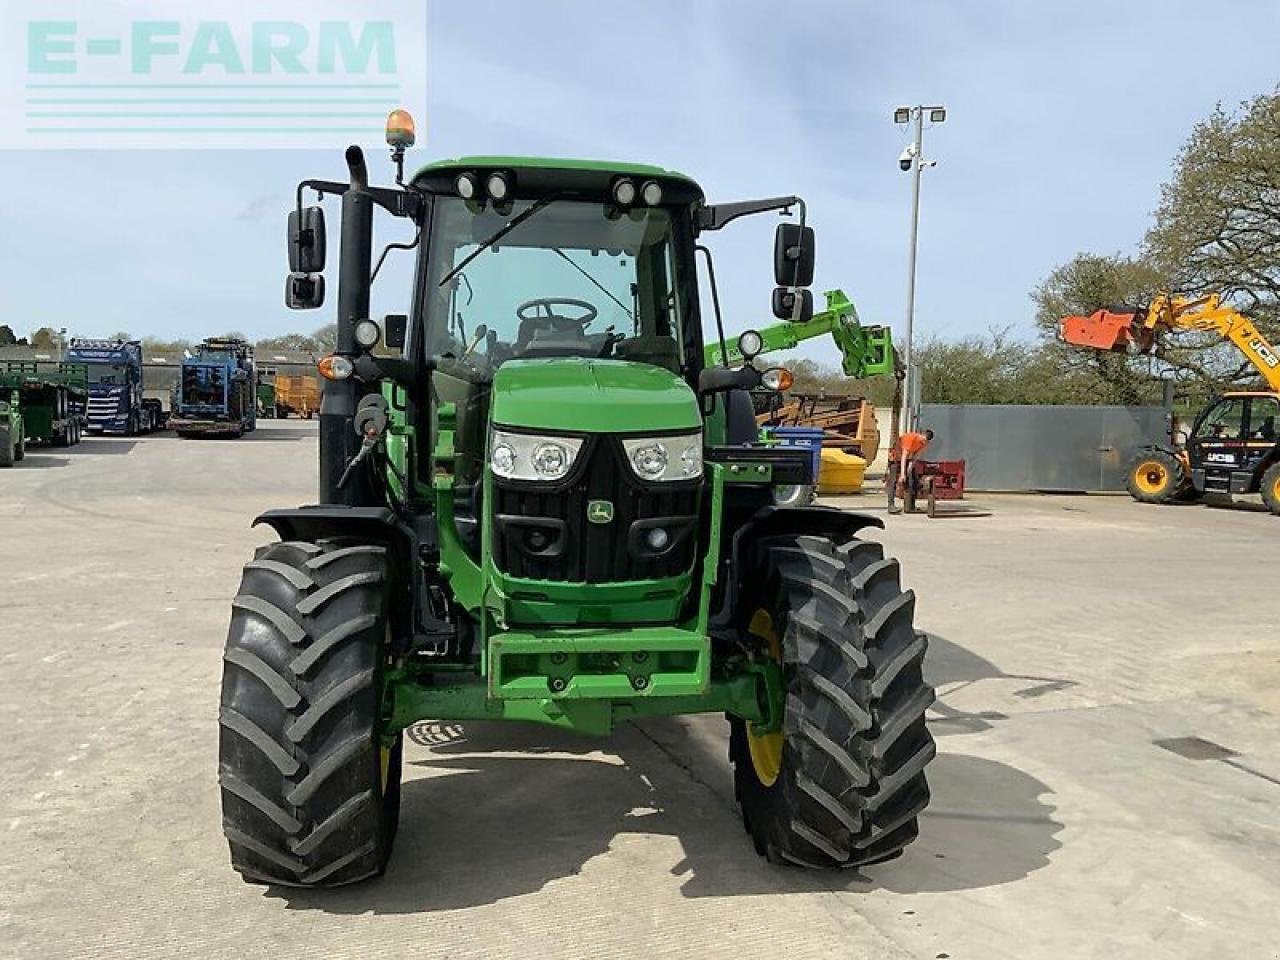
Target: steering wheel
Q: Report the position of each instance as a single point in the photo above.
(525, 312)
(543, 314)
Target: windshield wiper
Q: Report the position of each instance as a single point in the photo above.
(599, 286)
(499, 234)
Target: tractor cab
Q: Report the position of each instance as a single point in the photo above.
(1234, 441)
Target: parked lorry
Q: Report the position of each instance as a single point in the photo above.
(539, 510)
(13, 445)
(299, 395)
(51, 397)
(216, 395)
(116, 400)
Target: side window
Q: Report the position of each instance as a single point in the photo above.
(1264, 418)
(1224, 421)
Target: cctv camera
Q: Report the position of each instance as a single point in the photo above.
(908, 154)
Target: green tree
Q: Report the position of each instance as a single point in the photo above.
(45, 338)
(1217, 229)
(160, 345)
(326, 337)
(302, 342)
(1090, 282)
(7, 336)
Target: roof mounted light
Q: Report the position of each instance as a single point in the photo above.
(624, 192)
(499, 186)
(467, 185)
(400, 137)
(400, 129)
(651, 192)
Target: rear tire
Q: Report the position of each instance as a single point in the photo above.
(1270, 488)
(6, 448)
(20, 450)
(1156, 476)
(849, 782)
(310, 792)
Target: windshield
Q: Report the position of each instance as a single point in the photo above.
(202, 385)
(1223, 421)
(573, 279)
(106, 373)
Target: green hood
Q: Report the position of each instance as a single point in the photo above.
(574, 395)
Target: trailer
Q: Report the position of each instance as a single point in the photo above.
(299, 395)
(216, 392)
(116, 402)
(51, 398)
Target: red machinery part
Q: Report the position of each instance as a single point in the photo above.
(948, 477)
(1104, 330)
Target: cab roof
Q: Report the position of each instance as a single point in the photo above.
(554, 172)
(553, 163)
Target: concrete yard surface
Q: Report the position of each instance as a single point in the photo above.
(1107, 782)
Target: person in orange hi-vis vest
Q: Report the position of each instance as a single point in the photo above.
(909, 446)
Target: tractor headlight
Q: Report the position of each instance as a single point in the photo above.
(522, 456)
(665, 458)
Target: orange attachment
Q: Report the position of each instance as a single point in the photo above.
(1104, 330)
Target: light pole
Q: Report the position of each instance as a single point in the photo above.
(912, 161)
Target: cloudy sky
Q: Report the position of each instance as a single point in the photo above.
(1063, 118)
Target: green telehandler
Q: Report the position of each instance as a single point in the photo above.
(535, 506)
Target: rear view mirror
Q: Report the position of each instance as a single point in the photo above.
(306, 240)
(304, 291)
(395, 326)
(793, 255)
(784, 304)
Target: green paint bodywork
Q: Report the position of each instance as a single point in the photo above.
(573, 395)
(864, 351)
(36, 385)
(583, 656)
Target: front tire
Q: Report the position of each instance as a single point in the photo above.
(7, 447)
(1156, 476)
(843, 783)
(1270, 488)
(310, 789)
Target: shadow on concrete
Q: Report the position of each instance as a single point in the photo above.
(99, 446)
(38, 459)
(950, 668)
(506, 810)
(276, 433)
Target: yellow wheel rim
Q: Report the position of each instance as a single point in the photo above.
(1150, 476)
(1275, 489)
(384, 767)
(766, 748)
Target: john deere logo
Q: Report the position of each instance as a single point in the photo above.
(600, 511)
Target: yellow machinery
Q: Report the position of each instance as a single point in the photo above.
(1234, 446)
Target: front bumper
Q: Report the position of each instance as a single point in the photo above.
(589, 680)
(203, 426)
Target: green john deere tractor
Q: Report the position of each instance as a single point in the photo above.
(538, 502)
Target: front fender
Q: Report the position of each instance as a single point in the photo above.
(320, 521)
(772, 521)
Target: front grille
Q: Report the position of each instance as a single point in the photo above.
(579, 551)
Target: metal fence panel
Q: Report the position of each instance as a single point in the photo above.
(1035, 447)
